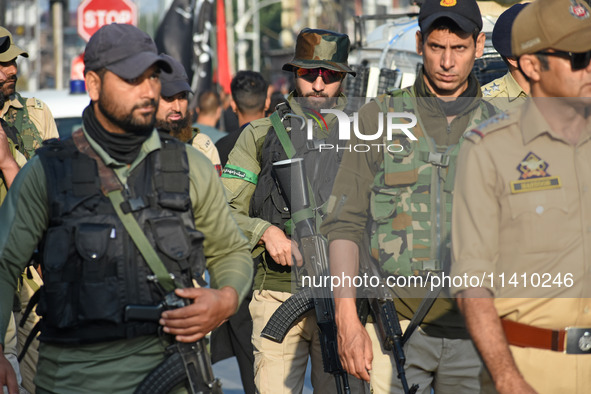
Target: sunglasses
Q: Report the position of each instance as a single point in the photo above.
(311, 74)
(578, 61)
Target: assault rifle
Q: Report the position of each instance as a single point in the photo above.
(188, 362)
(385, 316)
(294, 187)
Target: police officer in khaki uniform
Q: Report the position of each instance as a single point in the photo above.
(30, 116)
(522, 214)
(512, 88)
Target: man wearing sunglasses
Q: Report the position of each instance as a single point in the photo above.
(319, 67)
(400, 198)
(522, 206)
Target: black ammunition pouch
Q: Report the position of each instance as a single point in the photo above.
(91, 267)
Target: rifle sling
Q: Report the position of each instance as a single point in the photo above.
(111, 187)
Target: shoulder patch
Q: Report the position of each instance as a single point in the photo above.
(496, 122)
(35, 103)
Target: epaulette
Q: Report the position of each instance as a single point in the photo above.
(497, 122)
(35, 102)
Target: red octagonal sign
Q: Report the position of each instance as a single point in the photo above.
(94, 14)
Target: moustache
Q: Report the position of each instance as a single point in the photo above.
(147, 103)
(12, 78)
(316, 94)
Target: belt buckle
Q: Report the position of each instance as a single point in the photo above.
(578, 340)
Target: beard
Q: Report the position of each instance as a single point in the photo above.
(5, 88)
(2, 99)
(135, 125)
(318, 100)
(173, 127)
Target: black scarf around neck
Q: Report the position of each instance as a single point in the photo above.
(121, 147)
(452, 107)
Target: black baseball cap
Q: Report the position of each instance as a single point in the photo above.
(176, 81)
(501, 34)
(465, 13)
(124, 50)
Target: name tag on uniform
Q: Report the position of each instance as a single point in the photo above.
(534, 176)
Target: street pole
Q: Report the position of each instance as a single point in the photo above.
(57, 12)
(230, 36)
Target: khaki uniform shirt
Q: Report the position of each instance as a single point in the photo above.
(205, 145)
(20, 160)
(522, 206)
(40, 116)
(505, 92)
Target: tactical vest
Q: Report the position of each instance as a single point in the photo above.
(19, 118)
(411, 198)
(267, 201)
(91, 267)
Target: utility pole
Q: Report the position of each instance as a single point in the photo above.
(57, 17)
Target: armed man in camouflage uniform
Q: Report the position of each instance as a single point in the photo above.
(319, 65)
(31, 117)
(408, 193)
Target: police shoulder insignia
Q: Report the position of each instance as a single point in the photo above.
(534, 176)
(486, 127)
(35, 102)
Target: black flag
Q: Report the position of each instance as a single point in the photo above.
(184, 34)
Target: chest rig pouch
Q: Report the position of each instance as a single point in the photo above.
(91, 267)
(411, 200)
(267, 202)
(20, 118)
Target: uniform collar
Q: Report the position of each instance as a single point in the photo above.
(12, 102)
(513, 88)
(151, 144)
(532, 124)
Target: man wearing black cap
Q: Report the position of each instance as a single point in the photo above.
(89, 201)
(319, 66)
(512, 88)
(172, 115)
(400, 198)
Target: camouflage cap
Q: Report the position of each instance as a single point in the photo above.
(552, 24)
(13, 51)
(321, 48)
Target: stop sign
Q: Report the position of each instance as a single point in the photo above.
(94, 14)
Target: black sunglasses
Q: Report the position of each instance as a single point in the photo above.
(311, 74)
(578, 60)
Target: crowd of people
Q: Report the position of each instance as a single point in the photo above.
(106, 236)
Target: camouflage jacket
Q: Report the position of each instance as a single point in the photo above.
(32, 119)
(405, 194)
(411, 196)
